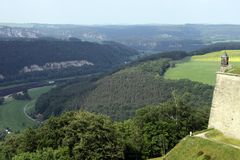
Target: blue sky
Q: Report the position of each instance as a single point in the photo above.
(88, 12)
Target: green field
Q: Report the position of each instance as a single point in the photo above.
(12, 112)
(217, 146)
(215, 56)
(220, 137)
(194, 148)
(202, 68)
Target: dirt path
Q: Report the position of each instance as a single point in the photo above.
(203, 135)
(25, 113)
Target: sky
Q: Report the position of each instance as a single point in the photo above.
(125, 12)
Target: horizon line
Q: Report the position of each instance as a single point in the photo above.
(115, 24)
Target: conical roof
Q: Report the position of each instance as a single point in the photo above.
(225, 55)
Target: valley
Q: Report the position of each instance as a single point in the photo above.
(138, 98)
(132, 96)
(41, 59)
(119, 80)
(120, 94)
(144, 102)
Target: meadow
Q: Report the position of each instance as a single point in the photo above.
(202, 68)
(12, 111)
(201, 149)
(214, 146)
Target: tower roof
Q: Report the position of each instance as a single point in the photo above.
(225, 55)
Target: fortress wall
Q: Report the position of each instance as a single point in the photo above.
(225, 111)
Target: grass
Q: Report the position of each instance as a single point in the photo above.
(160, 158)
(196, 71)
(215, 56)
(234, 70)
(12, 112)
(202, 68)
(13, 117)
(218, 136)
(194, 148)
(35, 93)
(202, 131)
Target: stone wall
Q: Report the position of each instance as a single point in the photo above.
(225, 111)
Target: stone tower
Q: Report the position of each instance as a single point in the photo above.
(224, 62)
(225, 110)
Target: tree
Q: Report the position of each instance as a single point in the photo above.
(130, 135)
(22, 95)
(45, 154)
(1, 100)
(92, 136)
(163, 125)
(75, 135)
(2, 134)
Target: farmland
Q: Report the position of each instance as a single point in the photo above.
(202, 68)
(12, 112)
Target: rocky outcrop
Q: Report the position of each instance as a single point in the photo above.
(55, 66)
(94, 36)
(9, 32)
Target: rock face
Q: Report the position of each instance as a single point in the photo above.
(55, 65)
(225, 111)
(9, 32)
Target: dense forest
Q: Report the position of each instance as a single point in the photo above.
(217, 47)
(121, 93)
(16, 54)
(152, 132)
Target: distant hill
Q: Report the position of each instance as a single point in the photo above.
(17, 32)
(154, 38)
(32, 58)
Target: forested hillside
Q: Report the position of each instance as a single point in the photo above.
(120, 94)
(153, 114)
(29, 58)
(217, 47)
(82, 135)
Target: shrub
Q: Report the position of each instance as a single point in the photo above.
(200, 153)
(207, 157)
(1, 100)
(22, 96)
